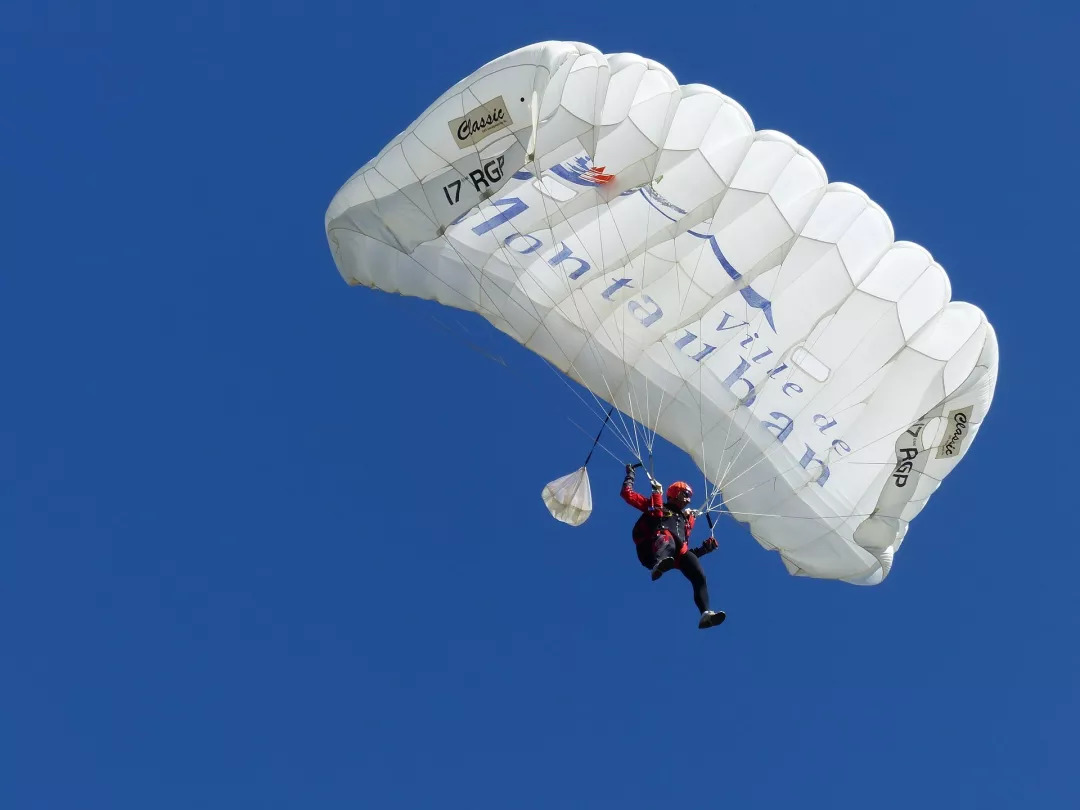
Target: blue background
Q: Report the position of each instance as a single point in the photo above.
(273, 542)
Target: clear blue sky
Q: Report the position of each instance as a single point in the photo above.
(272, 542)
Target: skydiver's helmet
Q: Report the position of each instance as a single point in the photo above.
(679, 494)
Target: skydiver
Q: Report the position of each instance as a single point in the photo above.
(662, 534)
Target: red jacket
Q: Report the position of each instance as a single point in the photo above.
(657, 518)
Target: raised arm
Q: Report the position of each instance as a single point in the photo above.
(636, 500)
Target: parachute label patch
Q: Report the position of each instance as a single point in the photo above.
(956, 432)
(478, 123)
(907, 450)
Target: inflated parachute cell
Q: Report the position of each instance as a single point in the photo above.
(705, 278)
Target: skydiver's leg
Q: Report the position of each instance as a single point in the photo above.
(691, 568)
(690, 565)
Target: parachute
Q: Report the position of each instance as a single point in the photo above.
(704, 278)
(569, 498)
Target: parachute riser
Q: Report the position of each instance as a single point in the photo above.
(596, 441)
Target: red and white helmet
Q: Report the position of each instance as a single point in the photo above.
(679, 488)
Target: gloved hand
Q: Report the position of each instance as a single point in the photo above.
(629, 480)
(705, 548)
(656, 485)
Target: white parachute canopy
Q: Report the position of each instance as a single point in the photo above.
(569, 498)
(703, 277)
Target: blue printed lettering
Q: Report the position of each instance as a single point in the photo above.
(737, 376)
(618, 285)
(749, 294)
(808, 456)
(783, 431)
(566, 254)
(534, 245)
(649, 318)
(704, 353)
(823, 422)
(514, 206)
(727, 317)
(689, 338)
(685, 340)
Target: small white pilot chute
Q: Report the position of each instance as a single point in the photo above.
(569, 498)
